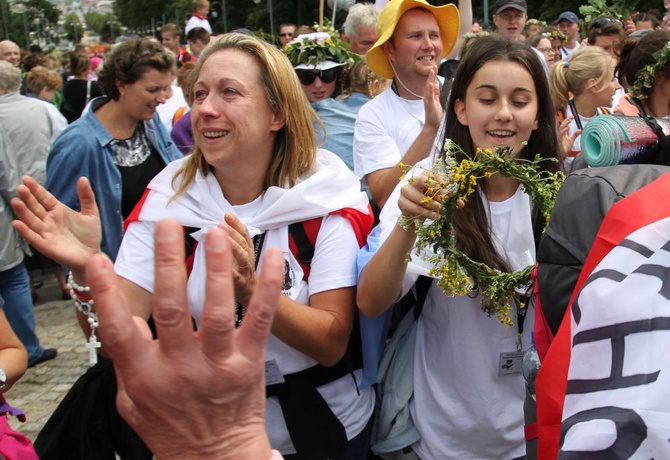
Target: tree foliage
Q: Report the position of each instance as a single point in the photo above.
(73, 27)
(104, 25)
(24, 16)
(255, 16)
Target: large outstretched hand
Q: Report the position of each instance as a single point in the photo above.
(191, 395)
(62, 234)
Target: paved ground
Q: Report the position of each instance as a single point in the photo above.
(43, 386)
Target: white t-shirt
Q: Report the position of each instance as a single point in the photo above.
(566, 52)
(385, 129)
(58, 121)
(197, 22)
(333, 266)
(461, 408)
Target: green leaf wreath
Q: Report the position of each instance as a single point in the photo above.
(454, 270)
(318, 47)
(644, 78)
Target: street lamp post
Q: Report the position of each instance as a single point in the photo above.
(38, 32)
(5, 18)
(272, 22)
(111, 28)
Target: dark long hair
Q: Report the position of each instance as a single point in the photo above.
(472, 228)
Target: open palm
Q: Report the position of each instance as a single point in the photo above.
(62, 234)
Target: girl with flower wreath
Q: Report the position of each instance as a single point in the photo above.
(321, 62)
(644, 69)
(468, 390)
(557, 39)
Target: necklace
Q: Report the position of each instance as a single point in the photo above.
(402, 84)
(133, 151)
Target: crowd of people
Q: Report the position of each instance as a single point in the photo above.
(229, 219)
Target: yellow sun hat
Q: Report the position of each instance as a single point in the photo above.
(448, 19)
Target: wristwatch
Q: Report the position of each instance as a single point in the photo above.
(3, 378)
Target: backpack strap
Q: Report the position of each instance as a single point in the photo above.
(422, 285)
(302, 240)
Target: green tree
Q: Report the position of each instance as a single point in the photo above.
(30, 18)
(104, 25)
(73, 27)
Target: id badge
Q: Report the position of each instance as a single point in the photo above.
(510, 363)
(273, 375)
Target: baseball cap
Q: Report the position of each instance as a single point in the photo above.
(568, 16)
(448, 19)
(502, 5)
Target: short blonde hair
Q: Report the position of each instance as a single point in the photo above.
(40, 77)
(295, 145)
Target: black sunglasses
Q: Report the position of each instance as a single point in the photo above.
(287, 34)
(601, 22)
(307, 77)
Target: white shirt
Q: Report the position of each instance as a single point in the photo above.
(333, 265)
(194, 22)
(386, 127)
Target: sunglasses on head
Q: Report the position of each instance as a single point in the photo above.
(286, 34)
(601, 22)
(307, 77)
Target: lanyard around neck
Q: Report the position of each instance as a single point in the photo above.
(573, 109)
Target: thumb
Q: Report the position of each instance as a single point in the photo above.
(86, 197)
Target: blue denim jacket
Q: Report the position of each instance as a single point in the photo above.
(83, 149)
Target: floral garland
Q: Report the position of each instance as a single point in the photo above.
(456, 272)
(310, 49)
(644, 78)
(535, 22)
(556, 35)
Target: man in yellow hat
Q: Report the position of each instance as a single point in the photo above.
(401, 124)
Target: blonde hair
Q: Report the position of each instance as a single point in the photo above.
(295, 145)
(40, 77)
(571, 75)
(360, 80)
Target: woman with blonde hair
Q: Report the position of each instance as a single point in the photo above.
(582, 86)
(44, 84)
(256, 172)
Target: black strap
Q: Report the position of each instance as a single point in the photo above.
(305, 247)
(316, 433)
(320, 375)
(573, 109)
(422, 285)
